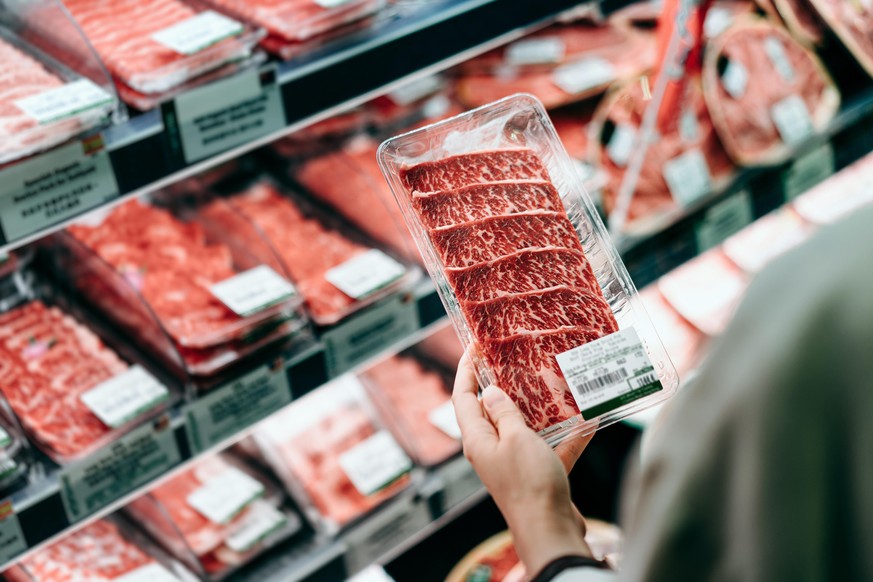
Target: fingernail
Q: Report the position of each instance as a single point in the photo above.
(492, 396)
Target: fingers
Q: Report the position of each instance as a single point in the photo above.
(571, 449)
(502, 410)
(471, 419)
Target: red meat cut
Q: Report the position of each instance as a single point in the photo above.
(852, 22)
(475, 168)
(554, 309)
(483, 200)
(525, 288)
(522, 272)
(744, 120)
(479, 241)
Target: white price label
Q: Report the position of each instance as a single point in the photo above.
(64, 101)
(5, 439)
(687, 175)
(443, 417)
(718, 19)
(253, 290)
(261, 520)
(331, 3)
(735, 79)
(792, 119)
(776, 52)
(584, 75)
(153, 572)
(723, 220)
(413, 91)
(609, 373)
(365, 274)
(375, 463)
(124, 397)
(222, 497)
(198, 32)
(621, 144)
(535, 51)
(689, 128)
(12, 542)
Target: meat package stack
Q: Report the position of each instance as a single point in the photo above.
(100, 552)
(310, 251)
(332, 454)
(156, 275)
(54, 372)
(493, 228)
(155, 55)
(215, 516)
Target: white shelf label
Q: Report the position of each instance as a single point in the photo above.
(253, 291)
(383, 531)
(124, 397)
(460, 482)
(792, 119)
(609, 373)
(153, 572)
(261, 520)
(718, 19)
(12, 542)
(689, 128)
(131, 461)
(535, 51)
(222, 497)
(331, 3)
(228, 410)
(723, 220)
(776, 52)
(808, 170)
(65, 101)
(621, 144)
(735, 79)
(687, 175)
(413, 91)
(54, 187)
(375, 463)
(226, 114)
(443, 417)
(365, 274)
(584, 75)
(198, 32)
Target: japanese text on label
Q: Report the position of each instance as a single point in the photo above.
(365, 274)
(124, 397)
(223, 496)
(375, 463)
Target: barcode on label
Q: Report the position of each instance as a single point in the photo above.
(601, 381)
(643, 381)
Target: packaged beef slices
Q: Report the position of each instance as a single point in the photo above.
(525, 268)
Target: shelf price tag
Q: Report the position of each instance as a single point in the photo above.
(12, 542)
(723, 220)
(54, 187)
(225, 114)
(118, 468)
(368, 332)
(237, 405)
(460, 482)
(383, 531)
(808, 170)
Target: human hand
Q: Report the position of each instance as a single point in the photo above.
(526, 478)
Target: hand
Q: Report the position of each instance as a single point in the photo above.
(526, 478)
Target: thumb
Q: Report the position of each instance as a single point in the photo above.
(501, 410)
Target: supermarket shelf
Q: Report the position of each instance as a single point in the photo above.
(682, 236)
(212, 124)
(59, 499)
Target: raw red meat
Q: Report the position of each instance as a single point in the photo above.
(745, 125)
(483, 200)
(458, 171)
(121, 33)
(22, 76)
(47, 361)
(625, 107)
(553, 309)
(852, 21)
(298, 19)
(801, 19)
(573, 130)
(484, 240)
(522, 272)
(406, 393)
(529, 312)
(96, 553)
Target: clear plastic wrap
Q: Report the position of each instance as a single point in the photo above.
(413, 398)
(165, 42)
(53, 88)
(525, 269)
(70, 391)
(108, 549)
(185, 292)
(318, 447)
(337, 273)
(215, 516)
